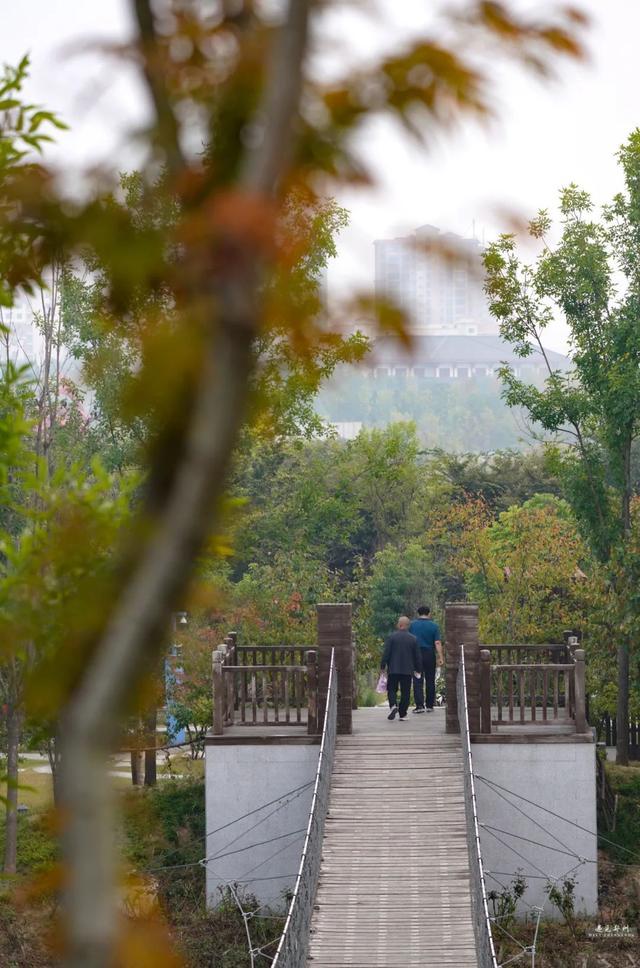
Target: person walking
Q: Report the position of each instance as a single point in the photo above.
(427, 632)
(401, 659)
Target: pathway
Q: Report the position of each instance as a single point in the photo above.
(394, 883)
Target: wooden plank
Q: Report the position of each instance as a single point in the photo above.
(275, 686)
(254, 703)
(287, 710)
(374, 905)
(532, 686)
(265, 706)
(510, 675)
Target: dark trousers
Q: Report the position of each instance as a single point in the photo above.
(394, 680)
(429, 676)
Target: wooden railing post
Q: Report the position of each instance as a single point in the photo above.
(218, 694)
(232, 639)
(485, 691)
(571, 641)
(579, 692)
(312, 686)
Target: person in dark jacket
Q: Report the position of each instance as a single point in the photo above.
(401, 659)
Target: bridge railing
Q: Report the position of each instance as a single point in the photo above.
(294, 943)
(543, 685)
(264, 686)
(485, 949)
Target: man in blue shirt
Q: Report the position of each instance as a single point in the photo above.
(427, 633)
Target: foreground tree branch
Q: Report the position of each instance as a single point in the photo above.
(178, 520)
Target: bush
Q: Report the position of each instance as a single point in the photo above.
(625, 781)
(37, 845)
(218, 937)
(368, 696)
(164, 826)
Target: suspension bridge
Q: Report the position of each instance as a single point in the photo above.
(391, 867)
(395, 867)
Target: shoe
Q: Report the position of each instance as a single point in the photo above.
(392, 714)
(418, 709)
(402, 719)
(429, 709)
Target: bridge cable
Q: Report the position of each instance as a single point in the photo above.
(259, 843)
(271, 856)
(514, 806)
(536, 843)
(297, 791)
(203, 861)
(572, 823)
(262, 820)
(529, 949)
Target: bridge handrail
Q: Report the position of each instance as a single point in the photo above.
(485, 948)
(244, 692)
(292, 949)
(550, 693)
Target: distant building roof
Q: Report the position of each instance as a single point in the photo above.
(482, 349)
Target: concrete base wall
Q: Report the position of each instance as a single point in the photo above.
(558, 777)
(239, 779)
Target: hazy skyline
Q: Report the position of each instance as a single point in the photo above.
(545, 136)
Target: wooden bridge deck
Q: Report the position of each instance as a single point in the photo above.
(394, 883)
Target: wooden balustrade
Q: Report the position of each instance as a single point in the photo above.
(542, 693)
(271, 654)
(277, 692)
(529, 654)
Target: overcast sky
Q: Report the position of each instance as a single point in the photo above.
(546, 136)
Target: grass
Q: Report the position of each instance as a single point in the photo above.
(35, 790)
(183, 766)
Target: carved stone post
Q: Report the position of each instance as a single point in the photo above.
(461, 628)
(335, 631)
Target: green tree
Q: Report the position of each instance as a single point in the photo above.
(534, 558)
(402, 578)
(592, 279)
(300, 495)
(387, 478)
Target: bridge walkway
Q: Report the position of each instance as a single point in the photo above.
(394, 881)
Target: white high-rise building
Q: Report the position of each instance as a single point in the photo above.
(436, 278)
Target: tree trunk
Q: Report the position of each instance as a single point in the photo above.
(622, 715)
(53, 755)
(179, 511)
(11, 810)
(89, 841)
(136, 768)
(150, 755)
(622, 712)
